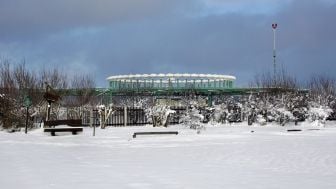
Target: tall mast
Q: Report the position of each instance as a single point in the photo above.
(274, 26)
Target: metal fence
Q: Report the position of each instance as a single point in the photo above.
(135, 116)
(176, 117)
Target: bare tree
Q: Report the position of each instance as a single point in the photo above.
(81, 91)
(7, 81)
(322, 85)
(54, 77)
(80, 94)
(17, 84)
(84, 86)
(323, 92)
(7, 87)
(282, 80)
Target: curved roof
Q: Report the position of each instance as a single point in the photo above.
(170, 75)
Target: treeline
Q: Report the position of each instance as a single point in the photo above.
(280, 100)
(21, 86)
(319, 90)
(284, 100)
(287, 100)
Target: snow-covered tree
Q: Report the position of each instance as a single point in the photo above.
(193, 117)
(318, 113)
(219, 113)
(159, 115)
(104, 114)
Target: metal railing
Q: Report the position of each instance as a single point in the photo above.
(135, 116)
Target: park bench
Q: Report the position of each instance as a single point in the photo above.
(69, 122)
(155, 133)
(73, 130)
(293, 130)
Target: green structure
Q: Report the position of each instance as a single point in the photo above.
(175, 83)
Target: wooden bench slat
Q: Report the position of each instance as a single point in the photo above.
(293, 130)
(73, 130)
(70, 122)
(63, 129)
(154, 133)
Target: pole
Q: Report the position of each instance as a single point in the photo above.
(274, 54)
(92, 124)
(27, 114)
(125, 116)
(48, 110)
(49, 102)
(94, 130)
(274, 26)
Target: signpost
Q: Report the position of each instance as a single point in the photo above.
(91, 122)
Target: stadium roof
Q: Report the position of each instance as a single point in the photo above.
(171, 75)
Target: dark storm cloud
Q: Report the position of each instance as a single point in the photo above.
(144, 36)
(36, 17)
(306, 38)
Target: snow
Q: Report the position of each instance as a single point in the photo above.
(319, 112)
(235, 156)
(169, 75)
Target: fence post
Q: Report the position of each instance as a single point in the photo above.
(125, 115)
(91, 122)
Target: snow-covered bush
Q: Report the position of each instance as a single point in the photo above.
(332, 106)
(159, 115)
(284, 116)
(260, 120)
(193, 118)
(319, 114)
(219, 113)
(261, 108)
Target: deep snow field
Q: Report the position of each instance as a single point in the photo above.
(218, 157)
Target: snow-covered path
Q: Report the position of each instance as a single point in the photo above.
(219, 157)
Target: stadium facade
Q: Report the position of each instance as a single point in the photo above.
(170, 82)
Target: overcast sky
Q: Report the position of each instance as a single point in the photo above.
(112, 37)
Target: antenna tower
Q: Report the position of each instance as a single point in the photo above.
(274, 26)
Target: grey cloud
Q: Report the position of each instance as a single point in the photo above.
(162, 40)
(21, 18)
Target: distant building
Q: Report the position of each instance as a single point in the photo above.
(175, 83)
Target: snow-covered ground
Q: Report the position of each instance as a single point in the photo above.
(219, 157)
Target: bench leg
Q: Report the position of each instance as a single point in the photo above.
(52, 133)
(134, 135)
(74, 132)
